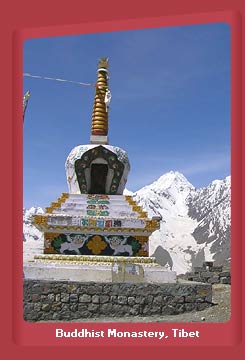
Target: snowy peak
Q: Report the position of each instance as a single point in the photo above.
(165, 195)
(168, 181)
(173, 178)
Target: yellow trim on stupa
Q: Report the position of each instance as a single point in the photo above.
(40, 220)
(135, 207)
(95, 259)
(57, 204)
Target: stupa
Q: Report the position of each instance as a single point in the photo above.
(94, 232)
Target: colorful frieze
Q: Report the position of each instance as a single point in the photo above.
(91, 212)
(84, 222)
(95, 223)
(100, 223)
(87, 244)
(102, 207)
(48, 238)
(91, 207)
(98, 201)
(98, 212)
(92, 221)
(60, 220)
(96, 245)
(76, 221)
(98, 207)
(117, 223)
(108, 223)
(98, 196)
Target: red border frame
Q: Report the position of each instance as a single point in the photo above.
(29, 21)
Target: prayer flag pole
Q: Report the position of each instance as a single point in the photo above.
(25, 102)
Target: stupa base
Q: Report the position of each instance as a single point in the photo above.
(98, 269)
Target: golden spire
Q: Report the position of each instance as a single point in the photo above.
(100, 110)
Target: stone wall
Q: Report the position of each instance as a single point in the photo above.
(65, 300)
(209, 274)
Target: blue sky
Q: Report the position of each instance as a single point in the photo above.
(170, 106)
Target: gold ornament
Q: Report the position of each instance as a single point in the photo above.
(103, 63)
(99, 124)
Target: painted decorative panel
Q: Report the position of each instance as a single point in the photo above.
(87, 244)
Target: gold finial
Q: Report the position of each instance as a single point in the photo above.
(103, 63)
(100, 110)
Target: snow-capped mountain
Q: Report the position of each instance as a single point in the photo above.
(195, 223)
(30, 232)
(166, 197)
(210, 206)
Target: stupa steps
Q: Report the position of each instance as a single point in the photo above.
(84, 197)
(83, 205)
(87, 205)
(84, 212)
